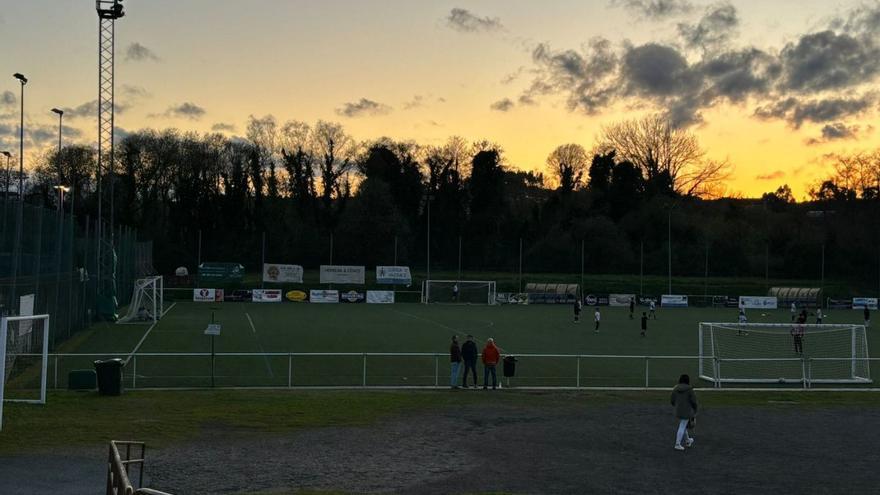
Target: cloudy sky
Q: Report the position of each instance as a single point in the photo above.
(772, 86)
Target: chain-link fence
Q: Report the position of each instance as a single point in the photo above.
(53, 256)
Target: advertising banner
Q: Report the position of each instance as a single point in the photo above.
(620, 300)
(297, 296)
(276, 273)
(395, 275)
(219, 296)
(221, 273)
(204, 295)
(861, 302)
(840, 303)
(673, 301)
(646, 300)
(324, 296)
(380, 297)
(267, 295)
(340, 274)
(352, 296)
(596, 300)
(758, 302)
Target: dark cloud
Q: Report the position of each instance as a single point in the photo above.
(504, 105)
(223, 127)
(863, 19)
(585, 77)
(36, 135)
(829, 61)
(132, 91)
(137, 52)
(771, 176)
(416, 102)
(655, 9)
(90, 109)
(714, 30)
(465, 21)
(654, 70)
(527, 100)
(835, 132)
(185, 110)
(7, 98)
(797, 111)
(362, 108)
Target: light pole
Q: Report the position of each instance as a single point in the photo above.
(8, 156)
(428, 250)
(669, 247)
(58, 156)
(23, 80)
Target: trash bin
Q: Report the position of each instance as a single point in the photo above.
(109, 373)
(82, 380)
(509, 366)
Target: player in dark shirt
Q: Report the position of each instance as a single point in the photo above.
(577, 310)
(632, 307)
(797, 334)
(644, 324)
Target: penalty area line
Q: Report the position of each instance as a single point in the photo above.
(146, 334)
(254, 331)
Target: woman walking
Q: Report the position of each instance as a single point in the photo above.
(685, 402)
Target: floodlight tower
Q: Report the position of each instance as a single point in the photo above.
(108, 12)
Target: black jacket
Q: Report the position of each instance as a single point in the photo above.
(469, 351)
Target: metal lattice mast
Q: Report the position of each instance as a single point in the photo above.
(108, 12)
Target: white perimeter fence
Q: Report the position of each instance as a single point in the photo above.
(410, 370)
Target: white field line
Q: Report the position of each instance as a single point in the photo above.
(461, 333)
(265, 359)
(146, 334)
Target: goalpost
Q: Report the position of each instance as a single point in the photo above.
(469, 291)
(24, 359)
(147, 301)
(783, 353)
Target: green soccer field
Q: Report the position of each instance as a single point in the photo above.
(249, 328)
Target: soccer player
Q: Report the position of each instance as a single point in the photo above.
(652, 309)
(644, 324)
(632, 307)
(818, 316)
(867, 317)
(685, 402)
(742, 320)
(577, 310)
(597, 317)
(455, 292)
(793, 311)
(797, 334)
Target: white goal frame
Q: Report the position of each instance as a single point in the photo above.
(149, 292)
(490, 289)
(4, 329)
(856, 332)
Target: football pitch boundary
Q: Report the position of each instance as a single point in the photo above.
(147, 333)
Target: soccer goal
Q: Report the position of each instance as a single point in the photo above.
(147, 301)
(469, 291)
(783, 353)
(24, 359)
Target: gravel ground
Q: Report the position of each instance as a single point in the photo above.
(625, 448)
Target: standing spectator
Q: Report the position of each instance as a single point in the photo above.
(469, 356)
(577, 310)
(685, 402)
(644, 324)
(491, 356)
(597, 317)
(632, 307)
(867, 317)
(454, 362)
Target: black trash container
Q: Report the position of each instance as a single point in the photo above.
(109, 373)
(509, 366)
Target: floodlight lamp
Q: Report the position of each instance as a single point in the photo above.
(21, 78)
(59, 112)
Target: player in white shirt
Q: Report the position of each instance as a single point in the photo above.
(793, 311)
(651, 309)
(597, 317)
(742, 319)
(819, 316)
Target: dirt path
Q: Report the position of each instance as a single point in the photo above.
(624, 449)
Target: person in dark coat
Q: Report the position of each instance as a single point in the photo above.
(469, 357)
(685, 402)
(454, 362)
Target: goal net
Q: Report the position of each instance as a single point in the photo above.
(469, 291)
(147, 301)
(24, 359)
(783, 353)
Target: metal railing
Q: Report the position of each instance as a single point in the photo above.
(119, 470)
(408, 370)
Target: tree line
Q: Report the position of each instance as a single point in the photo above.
(643, 184)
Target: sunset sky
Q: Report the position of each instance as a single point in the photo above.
(772, 86)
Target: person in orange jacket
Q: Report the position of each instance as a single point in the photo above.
(491, 357)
